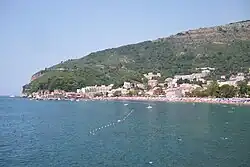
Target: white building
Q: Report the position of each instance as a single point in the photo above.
(150, 75)
(193, 76)
(237, 78)
(152, 83)
(223, 77)
(173, 93)
(168, 80)
(205, 73)
(173, 83)
(140, 85)
(206, 68)
(231, 83)
(127, 85)
(96, 89)
(233, 80)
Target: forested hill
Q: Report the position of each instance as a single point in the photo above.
(226, 48)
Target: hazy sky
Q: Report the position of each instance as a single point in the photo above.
(37, 34)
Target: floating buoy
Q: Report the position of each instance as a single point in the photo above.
(109, 124)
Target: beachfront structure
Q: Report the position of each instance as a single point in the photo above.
(151, 75)
(184, 88)
(158, 91)
(96, 89)
(173, 93)
(172, 83)
(140, 86)
(122, 90)
(152, 83)
(127, 85)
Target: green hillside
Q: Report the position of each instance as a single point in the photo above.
(226, 48)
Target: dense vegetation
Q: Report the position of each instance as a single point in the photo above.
(224, 91)
(174, 55)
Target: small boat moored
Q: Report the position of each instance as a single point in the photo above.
(149, 107)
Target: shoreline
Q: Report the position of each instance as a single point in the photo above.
(236, 101)
(233, 101)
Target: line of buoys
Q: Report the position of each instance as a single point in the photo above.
(93, 132)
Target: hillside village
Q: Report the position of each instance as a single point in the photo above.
(224, 48)
(175, 87)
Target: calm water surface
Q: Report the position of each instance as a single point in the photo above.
(49, 133)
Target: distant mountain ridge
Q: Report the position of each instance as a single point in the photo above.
(225, 47)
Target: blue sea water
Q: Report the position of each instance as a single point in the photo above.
(63, 133)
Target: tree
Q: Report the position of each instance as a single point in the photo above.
(133, 92)
(227, 91)
(198, 92)
(213, 89)
(243, 88)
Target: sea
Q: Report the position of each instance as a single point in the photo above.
(122, 133)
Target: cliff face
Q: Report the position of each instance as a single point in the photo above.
(225, 48)
(36, 76)
(219, 34)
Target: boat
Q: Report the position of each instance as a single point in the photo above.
(149, 106)
(125, 104)
(12, 96)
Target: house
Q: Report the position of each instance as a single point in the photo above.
(158, 91)
(162, 84)
(173, 83)
(140, 86)
(91, 90)
(127, 85)
(193, 76)
(223, 77)
(151, 75)
(168, 80)
(173, 93)
(152, 83)
(205, 73)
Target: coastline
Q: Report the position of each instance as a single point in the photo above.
(235, 101)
